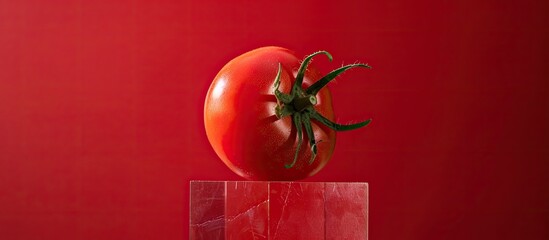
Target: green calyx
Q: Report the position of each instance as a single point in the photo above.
(299, 104)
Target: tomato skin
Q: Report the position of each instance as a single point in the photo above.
(240, 120)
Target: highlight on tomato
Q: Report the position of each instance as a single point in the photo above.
(268, 115)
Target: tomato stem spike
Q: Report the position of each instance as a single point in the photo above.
(281, 97)
(301, 72)
(277, 77)
(336, 126)
(313, 89)
(314, 149)
(310, 135)
(297, 123)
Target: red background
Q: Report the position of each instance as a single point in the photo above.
(101, 111)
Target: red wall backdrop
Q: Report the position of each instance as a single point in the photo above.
(101, 111)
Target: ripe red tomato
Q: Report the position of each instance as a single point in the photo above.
(257, 116)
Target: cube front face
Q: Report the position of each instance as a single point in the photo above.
(207, 215)
(278, 210)
(247, 210)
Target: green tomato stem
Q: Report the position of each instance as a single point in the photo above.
(300, 105)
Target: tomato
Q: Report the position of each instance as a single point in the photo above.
(267, 119)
